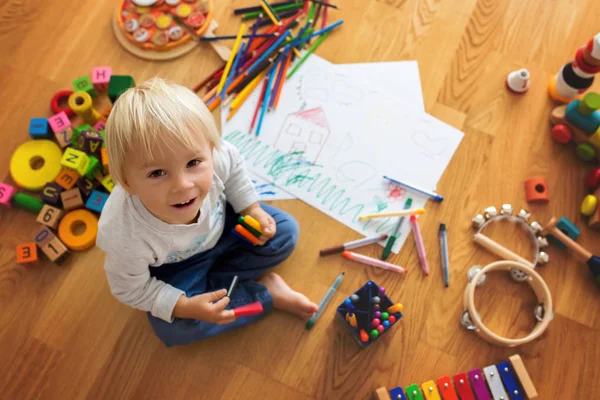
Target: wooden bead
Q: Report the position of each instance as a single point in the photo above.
(118, 84)
(6, 194)
(71, 199)
(84, 84)
(592, 180)
(50, 216)
(67, 178)
(595, 139)
(39, 128)
(585, 151)
(589, 103)
(101, 78)
(27, 253)
(35, 163)
(588, 205)
(59, 97)
(85, 240)
(588, 123)
(536, 190)
(562, 133)
(51, 193)
(81, 103)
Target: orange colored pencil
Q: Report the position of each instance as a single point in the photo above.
(215, 103)
(285, 69)
(209, 95)
(244, 94)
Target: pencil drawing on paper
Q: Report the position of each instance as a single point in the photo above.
(305, 133)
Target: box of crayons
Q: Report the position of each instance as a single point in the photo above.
(368, 314)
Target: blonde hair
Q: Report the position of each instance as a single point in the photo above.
(154, 115)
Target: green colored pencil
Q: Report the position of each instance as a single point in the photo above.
(255, 14)
(308, 53)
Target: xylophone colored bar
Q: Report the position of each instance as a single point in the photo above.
(508, 380)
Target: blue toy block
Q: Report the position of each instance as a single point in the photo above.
(96, 201)
(397, 394)
(588, 123)
(568, 228)
(364, 310)
(39, 128)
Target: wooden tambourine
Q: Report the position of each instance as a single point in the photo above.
(161, 29)
(544, 313)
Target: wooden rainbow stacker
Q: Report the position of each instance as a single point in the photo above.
(503, 381)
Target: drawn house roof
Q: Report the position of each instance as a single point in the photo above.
(315, 115)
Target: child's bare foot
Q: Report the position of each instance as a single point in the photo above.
(287, 299)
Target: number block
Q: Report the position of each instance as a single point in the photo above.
(96, 201)
(39, 128)
(50, 216)
(71, 199)
(27, 253)
(64, 137)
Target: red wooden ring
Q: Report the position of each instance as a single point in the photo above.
(582, 65)
(63, 94)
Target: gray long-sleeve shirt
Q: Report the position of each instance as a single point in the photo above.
(134, 239)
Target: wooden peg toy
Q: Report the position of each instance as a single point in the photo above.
(96, 201)
(67, 178)
(27, 202)
(117, 85)
(50, 216)
(71, 199)
(568, 228)
(518, 81)
(589, 123)
(76, 160)
(84, 84)
(35, 163)
(536, 190)
(6, 194)
(27, 253)
(82, 241)
(101, 78)
(589, 205)
(39, 128)
(61, 97)
(51, 194)
(81, 104)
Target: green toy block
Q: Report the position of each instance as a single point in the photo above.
(93, 168)
(27, 202)
(118, 84)
(103, 134)
(77, 133)
(84, 84)
(589, 103)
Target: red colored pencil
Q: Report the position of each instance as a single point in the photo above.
(259, 103)
(324, 20)
(209, 77)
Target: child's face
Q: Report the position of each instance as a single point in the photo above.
(174, 185)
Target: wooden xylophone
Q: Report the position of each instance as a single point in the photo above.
(508, 380)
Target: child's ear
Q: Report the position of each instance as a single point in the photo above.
(127, 188)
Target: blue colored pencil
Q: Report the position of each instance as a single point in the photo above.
(268, 52)
(317, 33)
(266, 99)
(233, 70)
(431, 195)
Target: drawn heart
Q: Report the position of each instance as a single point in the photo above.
(434, 146)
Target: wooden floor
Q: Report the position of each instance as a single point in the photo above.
(63, 336)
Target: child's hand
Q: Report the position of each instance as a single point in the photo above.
(201, 307)
(267, 223)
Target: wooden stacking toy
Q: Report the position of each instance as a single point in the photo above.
(502, 381)
(68, 166)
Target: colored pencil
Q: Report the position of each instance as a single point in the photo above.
(311, 322)
(231, 37)
(325, 8)
(245, 10)
(233, 70)
(317, 14)
(234, 51)
(270, 13)
(268, 51)
(259, 103)
(271, 74)
(267, 21)
(414, 211)
(252, 37)
(320, 32)
(325, 3)
(287, 65)
(353, 245)
(427, 193)
(214, 103)
(278, 10)
(208, 78)
(308, 53)
(244, 94)
(373, 262)
(209, 95)
(278, 82)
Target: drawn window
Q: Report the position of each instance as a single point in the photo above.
(316, 137)
(293, 129)
(298, 147)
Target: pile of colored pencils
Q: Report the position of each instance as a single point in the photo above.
(270, 55)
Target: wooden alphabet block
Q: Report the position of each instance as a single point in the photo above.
(67, 178)
(91, 143)
(64, 137)
(6, 193)
(59, 122)
(27, 253)
(86, 186)
(39, 128)
(84, 84)
(44, 236)
(108, 183)
(76, 160)
(51, 193)
(99, 125)
(118, 84)
(50, 216)
(104, 155)
(55, 249)
(96, 201)
(71, 199)
(77, 133)
(101, 78)
(93, 168)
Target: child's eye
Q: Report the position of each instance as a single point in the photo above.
(157, 174)
(193, 163)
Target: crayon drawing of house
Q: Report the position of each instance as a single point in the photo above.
(304, 132)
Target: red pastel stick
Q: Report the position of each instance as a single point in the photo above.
(249, 309)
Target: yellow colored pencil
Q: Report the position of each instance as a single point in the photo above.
(413, 211)
(243, 95)
(269, 13)
(234, 51)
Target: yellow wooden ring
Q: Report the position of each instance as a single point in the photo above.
(23, 173)
(80, 102)
(83, 241)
